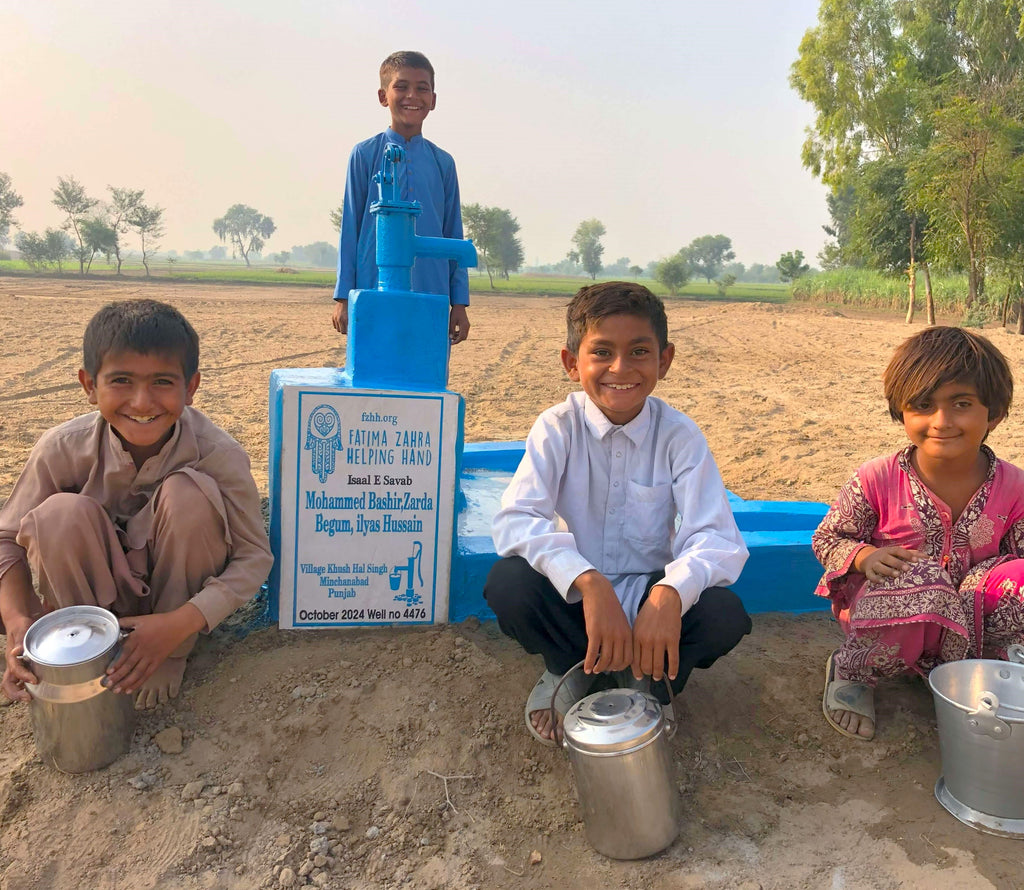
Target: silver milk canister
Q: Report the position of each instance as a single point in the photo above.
(618, 744)
(79, 724)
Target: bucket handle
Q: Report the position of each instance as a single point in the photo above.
(669, 712)
(983, 720)
(1015, 653)
(66, 695)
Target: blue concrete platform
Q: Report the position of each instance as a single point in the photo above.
(780, 575)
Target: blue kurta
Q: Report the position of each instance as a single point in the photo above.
(428, 176)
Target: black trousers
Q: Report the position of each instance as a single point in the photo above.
(535, 615)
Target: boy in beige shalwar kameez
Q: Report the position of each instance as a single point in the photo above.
(144, 507)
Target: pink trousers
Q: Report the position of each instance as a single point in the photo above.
(980, 620)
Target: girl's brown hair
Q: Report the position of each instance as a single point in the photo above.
(940, 355)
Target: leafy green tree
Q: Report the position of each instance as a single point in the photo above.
(320, 253)
(930, 86)
(724, 283)
(618, 269)
(245, 228)
(98, 236)
(959, 182)
(791, 265)
(494, 232)
(978, 128)
(32, 248)
(44, 251)
(147, 223)
(336, 216)
(59, 247)
(589, 248)
(123, 203)
(479, 224)
(70, 197)
(708, 253)
(858, 70)
(886, 231)
(841, 204)
(869, 68)
(636, 271)
(510, 247)
(10, 200)
(674, 272)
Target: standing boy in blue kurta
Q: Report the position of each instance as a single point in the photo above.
(427, 175)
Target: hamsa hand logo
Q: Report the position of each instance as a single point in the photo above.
(323, 439)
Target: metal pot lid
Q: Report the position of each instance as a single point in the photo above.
(71, 635)
(613, 721)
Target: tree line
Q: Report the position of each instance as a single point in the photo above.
(93, 227)
(919, 136)
(90, 226)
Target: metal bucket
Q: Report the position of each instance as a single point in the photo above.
(79, 725)
(617, 741)
(979, 705)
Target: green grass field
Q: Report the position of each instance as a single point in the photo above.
(540, 285)
(856, 287)
(212, 273)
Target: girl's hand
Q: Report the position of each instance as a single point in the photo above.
(886, 562)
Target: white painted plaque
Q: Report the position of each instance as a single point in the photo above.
(367, 500)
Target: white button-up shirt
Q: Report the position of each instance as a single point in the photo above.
(625, 500)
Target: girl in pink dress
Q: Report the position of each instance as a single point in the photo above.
(922, 549)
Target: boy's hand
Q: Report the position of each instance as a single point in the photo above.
(152, 640)
(16, 675)
(19, 607)
(656, 634)
(885, 562)
(609, 637)
(458, 324)
(340, 316)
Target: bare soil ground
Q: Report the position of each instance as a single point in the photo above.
(321, 757)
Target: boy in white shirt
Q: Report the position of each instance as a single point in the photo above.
(595, 567)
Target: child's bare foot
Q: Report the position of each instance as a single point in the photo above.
(541, 721)
(163, 684)
(538, 705)
(854, 723)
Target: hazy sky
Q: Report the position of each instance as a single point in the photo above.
(665, 120)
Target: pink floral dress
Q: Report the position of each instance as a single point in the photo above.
(964, 602)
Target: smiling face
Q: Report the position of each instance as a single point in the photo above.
(619, 364)
(410, 97)
(948, 424)
(141, 397)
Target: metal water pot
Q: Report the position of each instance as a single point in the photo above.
(617, 741)
(979, 708)
(79, 724)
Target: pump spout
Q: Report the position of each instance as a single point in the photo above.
(463, 252)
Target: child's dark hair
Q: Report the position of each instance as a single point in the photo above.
(597, 301)
(940, 355)
(405, 58)
(143, 326)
